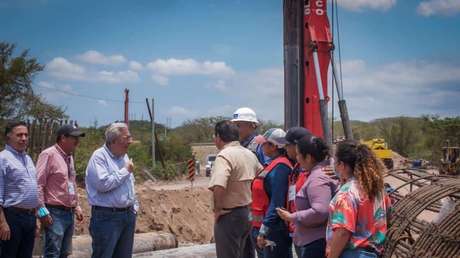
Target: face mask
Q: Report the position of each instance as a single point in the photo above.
(336, 173)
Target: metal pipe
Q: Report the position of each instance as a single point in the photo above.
(143, 242)
(346, 124)
(293, 67)
(322, 101)
(345, 120)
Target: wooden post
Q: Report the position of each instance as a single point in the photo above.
(153, 133)
(126, 107)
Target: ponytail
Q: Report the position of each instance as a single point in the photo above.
(314, 146)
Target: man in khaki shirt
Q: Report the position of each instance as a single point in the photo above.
(234, 169)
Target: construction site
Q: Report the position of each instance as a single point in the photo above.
(176, 218)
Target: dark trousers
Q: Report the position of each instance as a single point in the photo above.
(58, 236)
(249, 249)
(316, 248)
(22, 227)
(112, 233)
(283, 248)
(231, 232)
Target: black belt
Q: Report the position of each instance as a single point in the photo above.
(235, 208)
(100, 208)
(60, 207)
(22, 210)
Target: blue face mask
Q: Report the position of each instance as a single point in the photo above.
(337, 174)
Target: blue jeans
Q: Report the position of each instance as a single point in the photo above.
(357, 253)
(112, 233)
(316, 248)
(260, 252)
(58, 236)
(283, 248)
(22, 228)
(254, 233)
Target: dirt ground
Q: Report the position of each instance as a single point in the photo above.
(173, 208)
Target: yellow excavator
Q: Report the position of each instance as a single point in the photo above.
(381, 150)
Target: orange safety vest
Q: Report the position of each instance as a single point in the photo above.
(260, 201)
(296, 181)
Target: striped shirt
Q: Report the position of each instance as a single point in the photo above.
(108, 182)
(18, 180)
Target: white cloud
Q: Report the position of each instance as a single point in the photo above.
(359, 5)
(180, 111)
(401, 88)
(135, 66)
(117, 77)
(439, 7)
(221, 110)
(95, 57)
(160, 79)
(102, 102)
(162, 69)
(174, 66)
(220, 85)
(61, 68)
(53, 92)
(261, 90)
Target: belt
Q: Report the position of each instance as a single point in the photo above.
(235, 208)
(100, 208)
(22, 210)
(60, 207)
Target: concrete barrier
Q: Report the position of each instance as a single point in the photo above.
(145, 242)
(196, 251)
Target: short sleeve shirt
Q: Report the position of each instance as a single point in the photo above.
(234, 169)
(366, 219)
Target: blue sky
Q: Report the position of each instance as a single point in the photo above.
(203, 58)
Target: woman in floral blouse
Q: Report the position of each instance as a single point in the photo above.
(358, 212)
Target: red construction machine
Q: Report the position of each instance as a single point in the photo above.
(308, 55)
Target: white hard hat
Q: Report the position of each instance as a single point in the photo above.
(245, 114)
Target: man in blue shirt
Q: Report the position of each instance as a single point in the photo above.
(110, 187)
(18, 194)
(246, 120)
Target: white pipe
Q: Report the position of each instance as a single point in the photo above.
(318, 75)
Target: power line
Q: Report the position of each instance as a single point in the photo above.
(86, 96)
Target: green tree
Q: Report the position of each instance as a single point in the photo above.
(436, 131)
(401, 133)
(15, 79)
(198, 130)
(18, 100)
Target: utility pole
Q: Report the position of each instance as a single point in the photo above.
(126, 106)
(153, 132)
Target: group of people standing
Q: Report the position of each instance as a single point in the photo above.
(280, 190)
(270, 191)
(45, 195)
